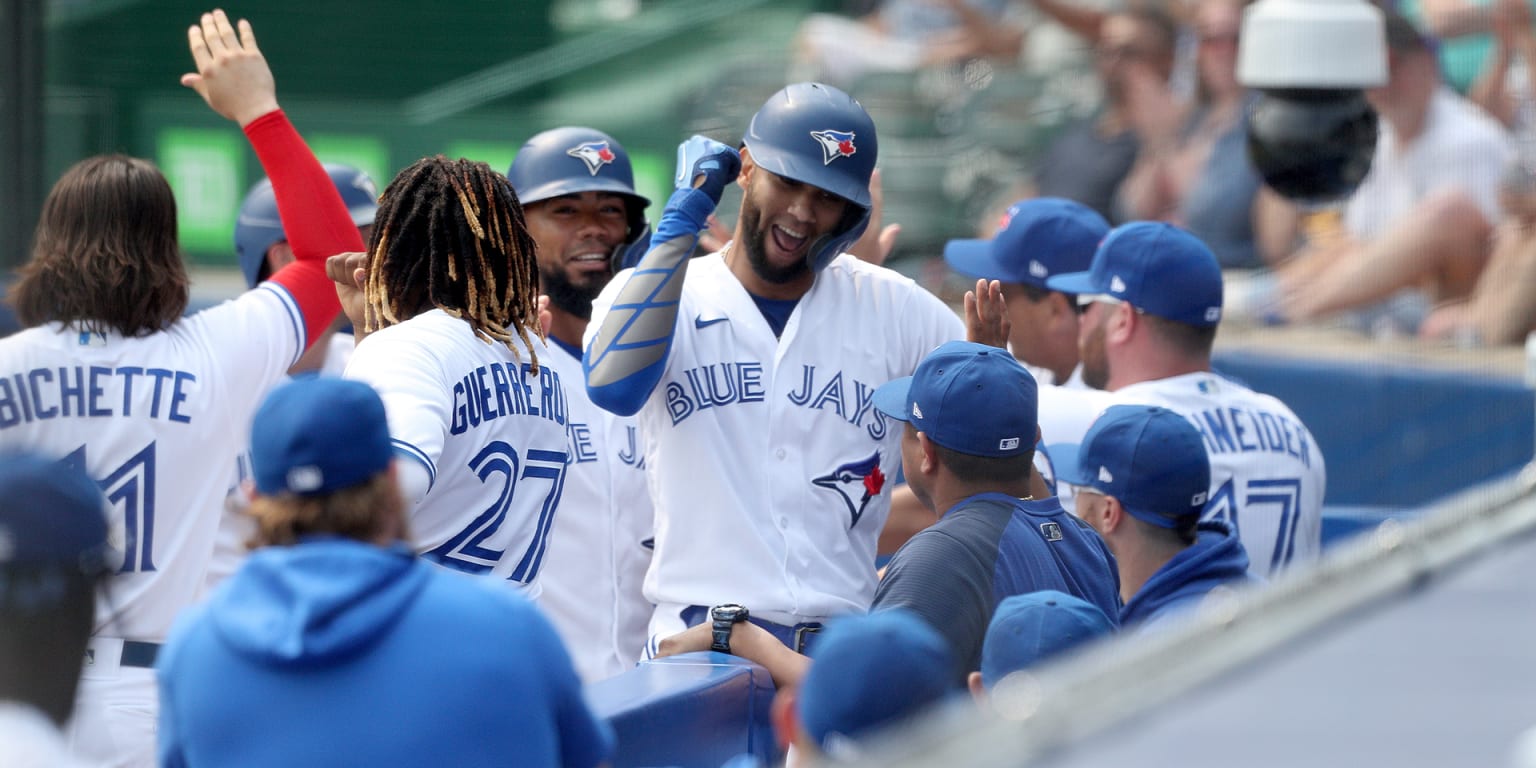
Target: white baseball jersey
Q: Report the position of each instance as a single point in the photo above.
(601, 543)
(1267, 473)
(768, 464)
(157, 420)
(483, 438)
(1065, 414)
(236, 527)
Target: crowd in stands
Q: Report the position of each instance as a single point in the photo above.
(551, 437)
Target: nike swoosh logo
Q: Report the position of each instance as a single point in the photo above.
(700, 322)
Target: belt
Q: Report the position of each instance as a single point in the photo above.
(798, 637)
(135, 653)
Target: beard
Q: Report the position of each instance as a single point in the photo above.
(1095, 363)
(569, 297)
(757, 249)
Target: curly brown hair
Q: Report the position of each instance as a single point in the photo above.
(450, 234)
(105, 255)
(372, 511)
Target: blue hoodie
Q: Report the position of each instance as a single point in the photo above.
(336, 652)
(1216, 558)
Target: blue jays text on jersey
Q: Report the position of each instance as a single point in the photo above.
(722, 384)
(96, 392)
(504, 389)
(1232, 430)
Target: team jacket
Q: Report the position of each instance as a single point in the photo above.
(1216, 558)
(336, 652)
(768, 464)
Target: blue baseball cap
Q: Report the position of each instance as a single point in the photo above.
(1150, 458)
(1036, 239)
(51, 515)
(319, 434)
(967, 397)
(1030, 628)
(870, 671)
(1156, 267)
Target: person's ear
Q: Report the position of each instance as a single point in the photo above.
(744, 177)
(1122, 323)
(1112, 515)
(978, 689)
(930, 453)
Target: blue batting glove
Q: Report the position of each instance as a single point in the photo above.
(716, 162)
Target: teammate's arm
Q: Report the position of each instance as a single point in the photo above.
(626, 357)
(233, 77)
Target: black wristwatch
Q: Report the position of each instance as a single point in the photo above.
(723, 617)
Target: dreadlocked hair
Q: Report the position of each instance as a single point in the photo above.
(450, 234)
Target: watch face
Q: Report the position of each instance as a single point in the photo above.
(728, 612)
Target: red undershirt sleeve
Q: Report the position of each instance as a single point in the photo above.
(314, 218)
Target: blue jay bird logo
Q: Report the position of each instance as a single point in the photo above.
(834, 144)
(859, 479)
(595, 154)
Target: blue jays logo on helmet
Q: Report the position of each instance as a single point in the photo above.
(834, 144)
(595, 154)
(860, 480)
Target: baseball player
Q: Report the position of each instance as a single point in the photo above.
(1143, 475)
(1037, 238)
(752, 370)
(1152, 301)
(111, 377)
(578, 196)
(262, 248)
(447, 305)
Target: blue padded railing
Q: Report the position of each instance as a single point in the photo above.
(695, 710)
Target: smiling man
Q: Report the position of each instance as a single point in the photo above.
(578, 195)
(752, 371)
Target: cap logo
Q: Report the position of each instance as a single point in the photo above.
(1007, 443)
(1212, 314)
(1051, 531)
(1004, 220)
(305, 478)
(834, 144)
(916, 411)
(1198, 499)
(595, 154)
(1116, 285)
(1038, 270)
(1105, 476)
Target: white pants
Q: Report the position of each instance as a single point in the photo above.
(116, 709)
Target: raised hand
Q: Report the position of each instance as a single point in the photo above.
(232, 75)
(986, 315)
(706, 165)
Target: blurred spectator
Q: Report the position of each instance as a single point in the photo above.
(1142, 475)
(1502, 89)
(1192, 168)
(1092, 156)
(53, 557)
(335, 610)
(969, 432)
(1502, 307)
(1422, 218)
(1030, 629)
(902, 36)
(1465, 34)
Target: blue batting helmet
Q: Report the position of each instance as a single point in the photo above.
(571, 160)
(818, 135)
(259, 227)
